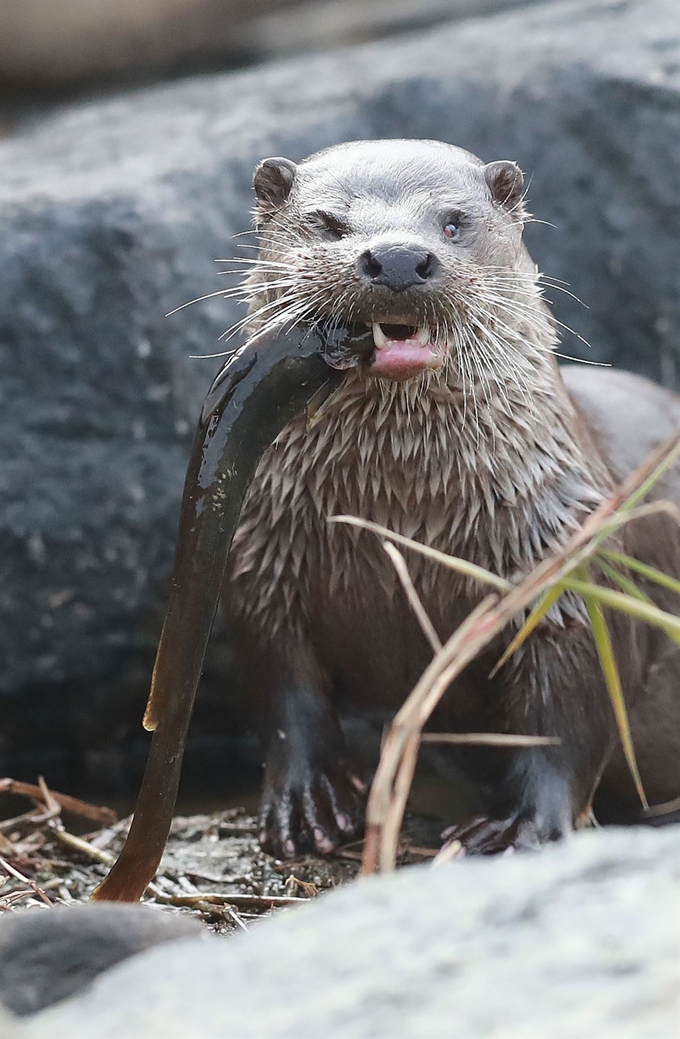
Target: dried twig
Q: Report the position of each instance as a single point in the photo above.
(92, 852)
(6, 846)
(35, 818)
(84, 847)
(25, 880)
(238, 900)
(426, 853)
(74, 805)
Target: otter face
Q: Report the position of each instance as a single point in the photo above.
(415, 239)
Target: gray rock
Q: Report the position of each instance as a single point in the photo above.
(111, 215)
(580, 941)
(71, 43)
(10, 1028)
(48, 955)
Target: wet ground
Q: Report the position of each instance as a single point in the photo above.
(213, 866)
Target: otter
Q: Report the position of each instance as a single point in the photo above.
(457, 429)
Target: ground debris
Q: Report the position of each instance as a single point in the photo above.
(213, 866)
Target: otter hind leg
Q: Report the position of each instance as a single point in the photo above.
(531, 807)
(311, 799)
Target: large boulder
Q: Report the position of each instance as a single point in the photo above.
(47, 45)
(47, 956)
(579, 941)
(111, 214)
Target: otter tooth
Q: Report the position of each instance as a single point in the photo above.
(379, 337)
(422, 335)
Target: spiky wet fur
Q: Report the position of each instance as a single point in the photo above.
(478, 466)
(486, 458)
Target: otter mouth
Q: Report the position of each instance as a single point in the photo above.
(402, 350)
(390, 349)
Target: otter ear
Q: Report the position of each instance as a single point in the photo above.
(273, 181)
(505, 180)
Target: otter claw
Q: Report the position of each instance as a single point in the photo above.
(313, 812)
(484, 836)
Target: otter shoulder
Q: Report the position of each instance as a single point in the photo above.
(627, 415)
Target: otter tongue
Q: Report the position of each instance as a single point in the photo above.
(400, 350)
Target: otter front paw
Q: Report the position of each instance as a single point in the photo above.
(309, 809)
(484, 836)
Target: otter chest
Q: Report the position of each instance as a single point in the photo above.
(397, 456)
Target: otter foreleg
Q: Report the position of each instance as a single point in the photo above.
(546, 790)
(310, 800)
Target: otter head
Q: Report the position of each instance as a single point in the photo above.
(414, 242)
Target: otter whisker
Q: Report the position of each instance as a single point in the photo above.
(206, 357)
(582, 360)
(199, 299)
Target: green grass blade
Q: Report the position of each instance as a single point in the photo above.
(630, 588)
(650, 572)
(535, 617)
(625, 583)
(643, 611)
(611, 673)
(646, 486)
(623, 517)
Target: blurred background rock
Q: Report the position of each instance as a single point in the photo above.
(57, 48)
(115, 200)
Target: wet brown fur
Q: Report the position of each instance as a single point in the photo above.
(490, 458)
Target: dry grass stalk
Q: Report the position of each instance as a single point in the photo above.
(412, 596)
(394, 775)
(448, 853)
(490, 739)
(664, 809)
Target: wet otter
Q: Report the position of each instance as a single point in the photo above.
(457, 430)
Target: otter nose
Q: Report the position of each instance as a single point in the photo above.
(398, 267)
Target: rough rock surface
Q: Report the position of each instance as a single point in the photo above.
(582, 940)
(112, 213)
(46, 956)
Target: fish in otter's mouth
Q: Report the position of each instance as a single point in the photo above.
(389, 347)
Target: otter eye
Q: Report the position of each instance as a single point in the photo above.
(333, 226)
(452, 228)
